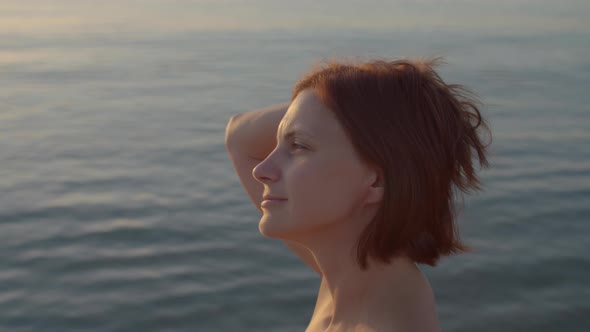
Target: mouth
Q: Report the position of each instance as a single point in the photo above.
(270, 202)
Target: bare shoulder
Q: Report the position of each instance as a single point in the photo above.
(415, 307)
(409, 306)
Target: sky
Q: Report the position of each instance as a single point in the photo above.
(72, 17)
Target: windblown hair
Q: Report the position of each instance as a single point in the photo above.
(422, 133)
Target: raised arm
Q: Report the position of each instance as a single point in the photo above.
(249, 138)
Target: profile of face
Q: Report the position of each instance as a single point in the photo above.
(317, 171)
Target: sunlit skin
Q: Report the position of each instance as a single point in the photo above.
(326, 185)
(331, 195)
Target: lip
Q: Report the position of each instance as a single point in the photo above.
(273, 198)
(268, 202)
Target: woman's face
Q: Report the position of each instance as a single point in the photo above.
(316, 170)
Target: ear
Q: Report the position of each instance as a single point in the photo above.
(375, 187)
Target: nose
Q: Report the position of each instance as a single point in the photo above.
(265, 171)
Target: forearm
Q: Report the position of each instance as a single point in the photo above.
(254, 133)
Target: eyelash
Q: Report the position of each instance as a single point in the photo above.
(298, 146)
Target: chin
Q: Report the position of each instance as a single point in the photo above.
(284, 231)
(268, 227)
(276, 229)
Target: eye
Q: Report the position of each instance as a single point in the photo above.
(297, 146)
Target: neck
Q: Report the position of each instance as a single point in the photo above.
(355, 292)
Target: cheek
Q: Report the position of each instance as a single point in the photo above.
(322, 189)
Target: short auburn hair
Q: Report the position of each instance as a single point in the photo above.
(422, 133)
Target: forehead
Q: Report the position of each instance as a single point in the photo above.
(308, 114)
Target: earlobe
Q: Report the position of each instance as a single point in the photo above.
(376, 188)
(375, 194)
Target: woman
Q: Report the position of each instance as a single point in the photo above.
(357, 174)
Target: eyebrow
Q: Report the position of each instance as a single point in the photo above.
(292, 133)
